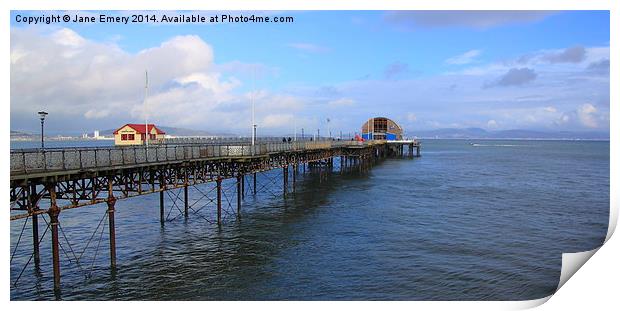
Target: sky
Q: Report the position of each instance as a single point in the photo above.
(496, 70)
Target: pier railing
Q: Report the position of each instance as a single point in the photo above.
(25, 161)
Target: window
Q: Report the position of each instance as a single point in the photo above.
(123, 136)
(152, 136)
(130, 137)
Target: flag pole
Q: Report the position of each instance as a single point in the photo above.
(146, 118)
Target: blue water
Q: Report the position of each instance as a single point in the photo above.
(464, 222)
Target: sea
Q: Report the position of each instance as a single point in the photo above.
(468, 220)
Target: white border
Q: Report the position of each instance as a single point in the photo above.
(594, 285)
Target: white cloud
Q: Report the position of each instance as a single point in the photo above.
(96, 114)
(88, 82)
(68, 37)
(253, 71)
(277, 120)
(85, 81)
(587, 114)
(464, 58)
(342, 102)
(492, 124)
(569, 60)
(411, 117)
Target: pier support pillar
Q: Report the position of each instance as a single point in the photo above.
(417, 152)
(239, 193)
(111, 202)
(294, 176)
(112, 229)
(162, 214)
(359, 163)
(285, 182)
(53, 212)
(219, 200)
(35, 240)
(186, 200)
(32, 198)
(242, 186)
(254, 187)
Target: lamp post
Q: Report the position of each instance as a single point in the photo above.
(253, 111)
(329, 131)
(42, 115)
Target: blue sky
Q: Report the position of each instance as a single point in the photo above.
(495, 70)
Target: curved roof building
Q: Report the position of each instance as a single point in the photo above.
(381, 128)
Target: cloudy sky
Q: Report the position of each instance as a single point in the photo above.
(427, 70)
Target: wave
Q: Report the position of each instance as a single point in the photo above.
(497, 145)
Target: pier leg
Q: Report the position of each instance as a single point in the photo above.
(243, 187)
(239, 191)
(219, 200)
(186, 193)
(417, 151)
(111, 202)
(285, 183)
(162, 213)
(254, 187)
(361, 164)
(53, 212)
(35, 240)
(294, 175)
(185, 200)
(35, 225)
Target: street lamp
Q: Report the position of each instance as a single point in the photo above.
(42, 115)
(329, 131)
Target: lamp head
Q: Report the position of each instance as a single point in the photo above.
(42, 115)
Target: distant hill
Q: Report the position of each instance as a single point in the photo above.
(20, 134)
(478, 133)
(176, 131)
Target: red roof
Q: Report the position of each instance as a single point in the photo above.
(140, 128)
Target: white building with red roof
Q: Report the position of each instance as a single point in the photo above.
(135, 134)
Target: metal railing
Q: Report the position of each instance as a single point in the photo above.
(241, 140)
(24, 161)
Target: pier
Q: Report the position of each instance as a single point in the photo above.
(52, 181)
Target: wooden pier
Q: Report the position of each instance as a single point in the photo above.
(49, 181)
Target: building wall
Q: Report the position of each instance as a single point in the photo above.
(137, 138)
(126, 130)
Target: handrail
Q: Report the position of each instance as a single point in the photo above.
(24, 161)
